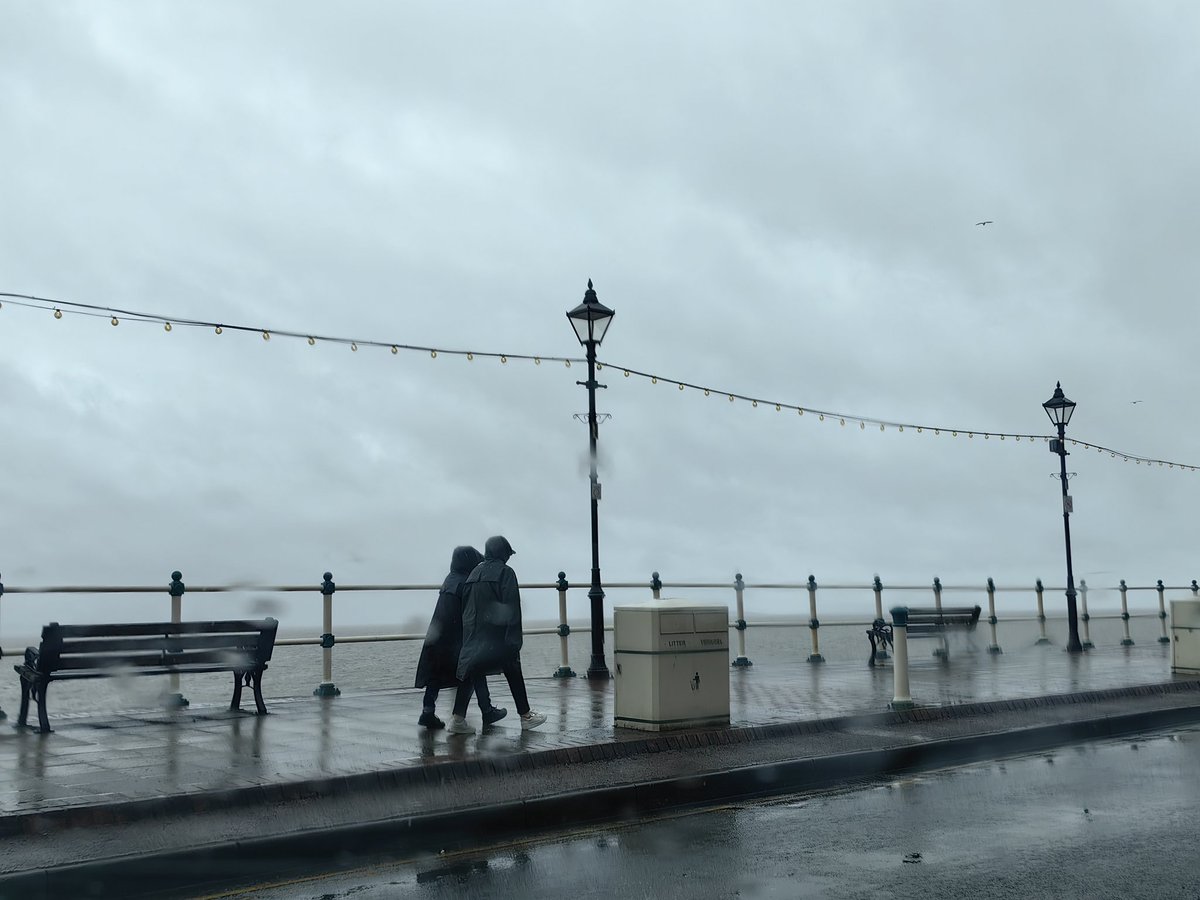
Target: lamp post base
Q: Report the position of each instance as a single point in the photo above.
(1040, 641)
(599, 674)
(326, 689)
(741, 662)
(564, 672)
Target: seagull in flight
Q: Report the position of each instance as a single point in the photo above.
(1135, 401)
(987, 222)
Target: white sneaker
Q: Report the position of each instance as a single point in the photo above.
(459, 725)
(530, 720)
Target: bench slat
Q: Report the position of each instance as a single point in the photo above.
(76, 674)
(161, 628)
(228, 658)
(158, 642)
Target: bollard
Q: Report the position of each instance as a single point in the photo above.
(565, 670)
(1162, 614)
(655, 586)
(1084, 617)
(739, 588)
(942, 652)
(880, 653)
(174, 698)
(2, 715)
(993, 647)
(326, 688)
(813, 622)
(1126, 641)
(1042, 639)
(901, 698)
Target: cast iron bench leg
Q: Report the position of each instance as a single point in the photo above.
(23, 717)
(40, 697)
(236, 702)
(258, 697)
(871, 660)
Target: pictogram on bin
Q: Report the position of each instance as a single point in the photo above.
(671, 665)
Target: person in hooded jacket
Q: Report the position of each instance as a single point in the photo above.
(492, 633)
(438, 666)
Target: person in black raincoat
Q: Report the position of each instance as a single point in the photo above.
(492, 632)
(438, 666)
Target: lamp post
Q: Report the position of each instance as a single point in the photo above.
(1059, 409)
(591, 319)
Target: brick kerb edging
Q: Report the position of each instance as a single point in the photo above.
(463, 770)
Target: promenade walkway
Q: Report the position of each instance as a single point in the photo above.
(147, 779)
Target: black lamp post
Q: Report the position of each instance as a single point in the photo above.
(591, 319)
(1059, 409)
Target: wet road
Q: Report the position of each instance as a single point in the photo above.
(1113, 819)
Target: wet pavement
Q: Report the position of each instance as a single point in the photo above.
(1110, 819)
(203, 795)
(96, 760)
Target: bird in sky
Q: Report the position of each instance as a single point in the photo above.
(1135, 401)
(987, 222)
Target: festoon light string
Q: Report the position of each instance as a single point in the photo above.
(117, 315)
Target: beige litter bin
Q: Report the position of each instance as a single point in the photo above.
(1185, 637)
(671, 665)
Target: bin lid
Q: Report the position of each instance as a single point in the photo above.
(675, 605)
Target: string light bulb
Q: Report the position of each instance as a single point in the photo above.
(219, 330)
(311, 340)
(266, 335)
(115, 321)
(58, 313)
(353, 347)
(166, 326)
(396, 350)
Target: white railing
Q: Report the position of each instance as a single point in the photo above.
(177, 592)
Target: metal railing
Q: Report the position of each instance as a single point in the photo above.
(177, 592)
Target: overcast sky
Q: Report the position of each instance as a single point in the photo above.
(777, 199)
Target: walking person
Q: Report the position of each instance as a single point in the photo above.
(438, 666)
(492, 632)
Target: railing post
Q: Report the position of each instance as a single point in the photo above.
(880, 653)
(565, 670)
(901, 698)
(326, 688)
(1195, 588)
(1084, 617)
(993, 647)
(813, 623)
(655, 586)
(1042, 639)
(1162, 614)
(1126, 641)
(942, 652)
(2, 715)
(739, 587)
(176, 588)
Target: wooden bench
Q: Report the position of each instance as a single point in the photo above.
(926, 622)
(69, 652)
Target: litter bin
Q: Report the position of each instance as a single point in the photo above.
(672, 665)
(1185, 637)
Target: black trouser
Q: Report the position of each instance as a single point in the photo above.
(462, 696)
(516, 683)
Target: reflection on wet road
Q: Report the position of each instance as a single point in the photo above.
(1114, 819)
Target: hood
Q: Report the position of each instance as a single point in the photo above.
(464, 560)
(499, 548)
